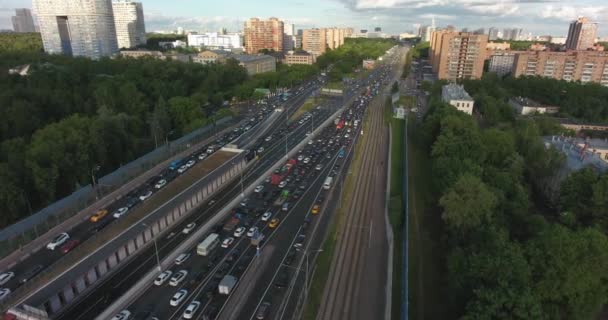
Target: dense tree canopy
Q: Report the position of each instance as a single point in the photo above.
(20, 42)
(511, 256)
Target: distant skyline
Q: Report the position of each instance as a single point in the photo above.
(394, 16)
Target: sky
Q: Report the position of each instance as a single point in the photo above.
(540, 17)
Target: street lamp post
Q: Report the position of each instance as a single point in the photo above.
(94, 170)
(167, 142)
(155, 248)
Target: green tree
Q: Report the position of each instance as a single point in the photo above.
(467, 204)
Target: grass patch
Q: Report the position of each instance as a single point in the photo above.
(334, 85)
(308, 105)
(427, 272)
(407, 102)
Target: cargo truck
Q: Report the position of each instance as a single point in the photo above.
(227, 284)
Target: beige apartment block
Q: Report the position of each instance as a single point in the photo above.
(583, 66)
(457, 55)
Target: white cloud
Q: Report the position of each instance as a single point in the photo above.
(567, 13)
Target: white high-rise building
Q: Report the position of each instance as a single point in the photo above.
(129, 23)
(22, 21)
(77, 27)
(214, 40)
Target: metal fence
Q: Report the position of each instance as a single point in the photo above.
(13, 236)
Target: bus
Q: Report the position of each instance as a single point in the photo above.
(327, 183)
(205, 247)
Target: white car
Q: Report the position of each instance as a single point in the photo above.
(318, 167)
(190, 163)
(268, 138)
(182, 169)
(181, 258)
(347, 136)
(282, 184)
(162, 277)
(239, 232)
(310, 142)
(120, 212)
(145, 196)
(258, 189)
(252, 231)
(268, 179)
(161, 183)
(178, 297)
(6, 277)
(189, 228)
(266, 216)
(306, 160)
(191, 310)
(301, 157)
(227, 242)
(4, 293)
(178, 277)
(58, 241)
(202, 156)
(123, 315)
(261, 149)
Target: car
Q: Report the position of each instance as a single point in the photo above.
(163, 277)
(282, 280)
(252, 231)
(123, 315)
(282, 184)
(258, 189)
(319, 167)
(202, 156)
(306, 160)
(310, 142)
(146, 195)
(227, 242)
(6, 277)
(315, 209)
(29, 274)
(268, 138)
(98, 215)
(260, 149)
(161, 183)
(266, 216)
(273, 223)
(58, 240)
(181, 258)
(178, 277)
(120, 212)
(189, 228)
(182, 169)
(244, 202)
(268, 179)
(285, 206)
(347, 135)
(263, 311)
(68, 246)
(4, 293)
(301, 157)
(178, 297)
(191, 310)
(190, 163)
(239, 232)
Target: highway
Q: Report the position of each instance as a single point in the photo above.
(113, 286)
(83, 231)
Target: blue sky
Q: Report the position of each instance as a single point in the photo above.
(536, 16)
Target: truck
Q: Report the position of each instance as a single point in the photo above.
(340, 124)
(275, 178)
(227, 284)
(231, 224)
(282, 198)
(205, 247)
(281, 173)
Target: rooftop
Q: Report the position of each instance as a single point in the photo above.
(250, 57)
(525, 101)
(453, 91)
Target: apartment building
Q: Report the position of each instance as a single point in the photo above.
(318, 40)
(211, 56)
(129, 23)
(583, 66)
(581, 34)
(77, 28)
(263, 34)
(457, 55)
(501, 63)
(255, 64)
(215, 40)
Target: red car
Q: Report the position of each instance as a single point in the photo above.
(69, 246)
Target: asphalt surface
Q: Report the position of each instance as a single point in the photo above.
(111, 288)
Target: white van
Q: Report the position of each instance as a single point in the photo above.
(205, 247)
(327, 183)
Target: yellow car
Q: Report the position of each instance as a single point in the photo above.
(315, 209)
(273, 223)
(98, 215)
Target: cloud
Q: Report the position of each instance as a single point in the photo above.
(568, 13)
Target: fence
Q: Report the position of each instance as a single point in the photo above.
(22, 232)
